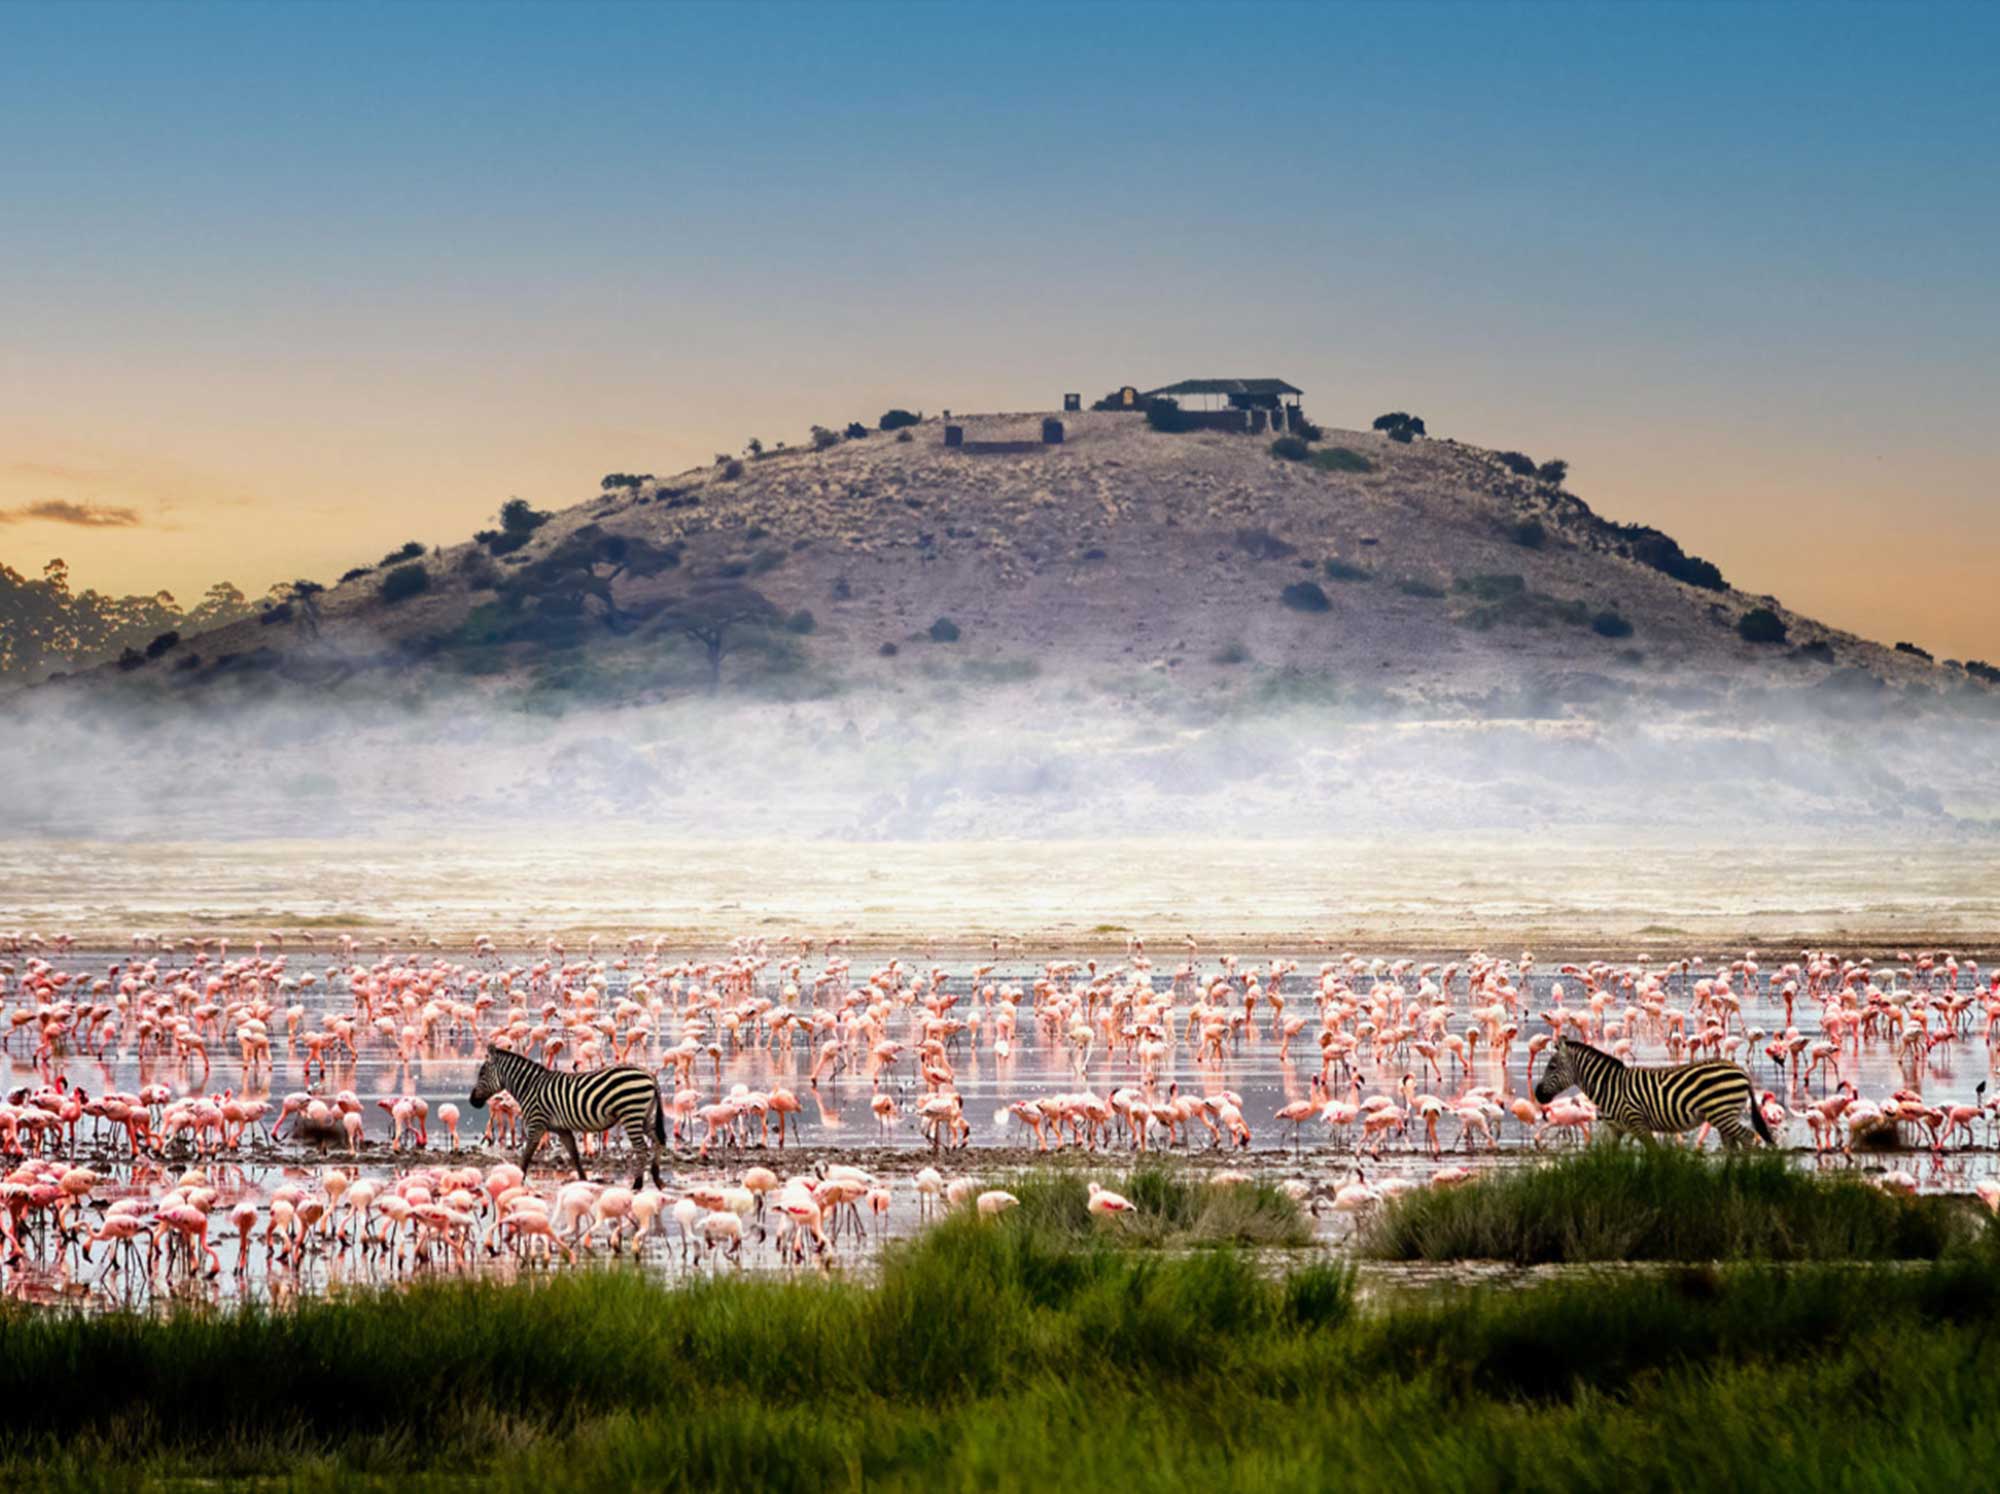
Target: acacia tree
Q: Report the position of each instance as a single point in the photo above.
(711, 614)
(586, 564)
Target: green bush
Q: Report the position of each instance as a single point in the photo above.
(1341, 570)
(1553, 473)
(1290, 449)
(1916, 651)
(1610, 624)
(1341, 459)
(411, 551)
(1761, 625)
(404, 582)
(1399, 425)
(944, 630)
(856, 431)
(1667, 1203)
(1528, 533)
(801, 621)
(895, 420)
(1517, 462)
(1491, 586)
(1305, 596)
(824, 439)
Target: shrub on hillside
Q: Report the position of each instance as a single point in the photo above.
(1340, 459)
(731, 470)
(518, 516)
(801, 621)
(1412, 586)
(161, 644)
(895, 420)
(411, 551)
(1761, 625)
(823, 439)
(1166, 415)
(1491, 586)
(1340, 570)
(1650, 547)
(1517, 462)
(611, 482)
(1553, 473)
(1913, 649)
(903, 436)
(1290, 449)
(404, 582)
(1305, 596)
(856, 431)
(1528, 534)
(356, 573)
(944, 630)
(1610, 624)
(1399, 425)
(1231, 653)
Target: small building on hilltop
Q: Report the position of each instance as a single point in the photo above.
(1250, 405)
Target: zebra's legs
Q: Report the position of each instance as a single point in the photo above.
(637, 1132)
(535, 1135)
(575, 1154)
(1733, 1131)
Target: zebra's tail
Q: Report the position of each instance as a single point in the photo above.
(1757, 1118)
(659, 1121)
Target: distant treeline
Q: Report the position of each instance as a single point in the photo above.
(46, 628)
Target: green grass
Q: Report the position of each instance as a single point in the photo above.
(1169, 1210)
(986, 1357)
(1664, 1203)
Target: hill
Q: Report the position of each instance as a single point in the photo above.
(1126, 560)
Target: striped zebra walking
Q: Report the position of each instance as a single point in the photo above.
(1639, 1101)
(594, 1100)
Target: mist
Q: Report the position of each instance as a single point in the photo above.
(1047, 759)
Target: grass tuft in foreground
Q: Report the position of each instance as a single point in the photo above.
(1170, 1210)
(1666, 1203)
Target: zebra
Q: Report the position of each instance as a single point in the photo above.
(594, 1100)
(1675, 1097)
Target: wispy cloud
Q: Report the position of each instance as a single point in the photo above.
(62, 511)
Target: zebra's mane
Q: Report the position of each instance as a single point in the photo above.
(502, 1056)
(1583, 1047)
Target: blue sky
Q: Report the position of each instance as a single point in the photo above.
(361, 268)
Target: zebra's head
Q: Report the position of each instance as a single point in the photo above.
(1559, 1075)
(488, 1084)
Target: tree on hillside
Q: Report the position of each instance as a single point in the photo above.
(586, 564)
(711, 615)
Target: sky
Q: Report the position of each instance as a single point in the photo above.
(283, 286)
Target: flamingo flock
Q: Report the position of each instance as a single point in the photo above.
(191, 1058)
